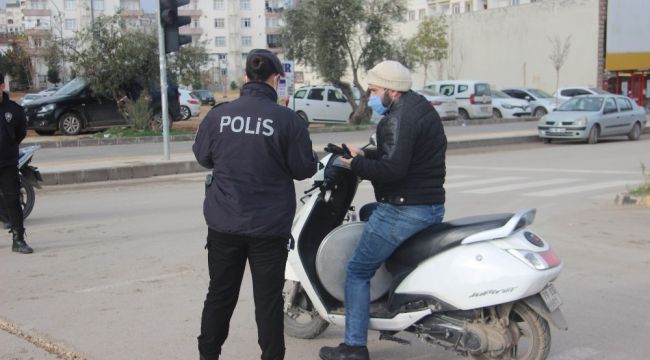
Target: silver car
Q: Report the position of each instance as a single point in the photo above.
(590, 117)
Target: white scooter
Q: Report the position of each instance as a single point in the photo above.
(480, 286)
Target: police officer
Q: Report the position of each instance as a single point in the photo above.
(13, 129)
(255, 148)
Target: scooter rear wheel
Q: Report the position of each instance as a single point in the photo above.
(27, 197)
(301, 320)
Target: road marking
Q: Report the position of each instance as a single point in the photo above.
(131, 282)
(544, 170)
(582, 188)
(482, 182)
(496, 189)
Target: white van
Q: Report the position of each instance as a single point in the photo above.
(473, 97)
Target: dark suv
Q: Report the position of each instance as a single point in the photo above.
(74, 108)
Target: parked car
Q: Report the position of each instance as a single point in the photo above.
(49, 91)
(322, 103)
(206, 97)
(28, 98)
(473, 97)
(505, 106)
(591, 117)
(190, 104)
(446, 106)
(541, 103)
(74, 108)
(564, 94)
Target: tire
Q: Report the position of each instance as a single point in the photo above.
(496, 114)
(186, 114)
(462, 113)
(594, 134)
(635, 133)
(301, 320)
(303, 116)
(539, 112)
(70, 124)
(27, 197)
(156, 121)
(45, 132)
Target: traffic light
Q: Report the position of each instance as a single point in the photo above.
(171, 22)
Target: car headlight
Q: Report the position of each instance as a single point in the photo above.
(46, 108)
(581, 121)
(507, 106)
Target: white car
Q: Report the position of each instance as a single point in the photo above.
(473, 97)
(505, 106)
(190, 104)
(541, 102)
(447, 107)
(322, 103)
(564, 94)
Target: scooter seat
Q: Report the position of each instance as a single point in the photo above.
(440, 237)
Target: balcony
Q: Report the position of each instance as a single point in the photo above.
(37, 12)
(132, 13)
(37, 51)
(273, 30)
(191, 31)
(37, 32)
(191, 13)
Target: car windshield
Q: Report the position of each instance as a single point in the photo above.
(428, 92)
(500, 94)
(598, 91)
(539, 93)
(582, 104)
(71, 88)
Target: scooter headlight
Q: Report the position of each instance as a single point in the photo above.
(543, 260)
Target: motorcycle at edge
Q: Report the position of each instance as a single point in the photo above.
(29, 180)
(480, 286)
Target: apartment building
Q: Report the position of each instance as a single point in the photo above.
(419, 9)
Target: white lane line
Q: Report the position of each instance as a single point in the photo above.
(481, 182)
(523, 185)
(583, 188)
(544, 170)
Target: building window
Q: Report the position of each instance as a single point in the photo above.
(273, 41)
(468, 6)
(37, 4)
(218, 5)
(98, 5)
(71, 24)
(70, 5)
(244, 57)
(196, 24)
(412, 15)
(220, 41)
(422, 13)
(245, 4)
(246, 41)
(455, 9)
(219, 23)
(272, 22)
(246, 22)
(514, 2)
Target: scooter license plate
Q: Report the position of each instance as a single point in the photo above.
(551, 297)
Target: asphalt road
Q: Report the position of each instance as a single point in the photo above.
(120, 271)
(358, 137)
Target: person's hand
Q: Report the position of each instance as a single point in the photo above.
(355, 151)
(346, 162)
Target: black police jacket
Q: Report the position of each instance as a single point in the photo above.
(255, 148)
(408, 167)
(13, 129)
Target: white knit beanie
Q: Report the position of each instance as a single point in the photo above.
(390, 75)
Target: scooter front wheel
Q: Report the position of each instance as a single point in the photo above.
(27, 197)
(301, 320)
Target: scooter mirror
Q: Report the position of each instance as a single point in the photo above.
(373, 139)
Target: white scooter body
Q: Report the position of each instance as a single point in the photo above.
(495, 266)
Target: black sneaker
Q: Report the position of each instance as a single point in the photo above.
(21, 247)
(344, 352)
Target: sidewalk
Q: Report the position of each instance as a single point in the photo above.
(133, 167)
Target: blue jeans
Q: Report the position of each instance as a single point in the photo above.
(388, 226)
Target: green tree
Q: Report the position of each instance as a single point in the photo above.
(108, 56)
(187, 64)
(429, 44)
(17, 63)
(53, 61)
(337, 36)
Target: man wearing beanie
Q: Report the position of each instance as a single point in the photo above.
(13, 129)
(407, 171)
(255, 149)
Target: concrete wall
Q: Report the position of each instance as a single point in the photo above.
(511, 46)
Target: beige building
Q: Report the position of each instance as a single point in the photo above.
(510, 45)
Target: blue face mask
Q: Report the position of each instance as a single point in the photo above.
(376, 105)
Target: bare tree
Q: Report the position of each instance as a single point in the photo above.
(558, 56)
